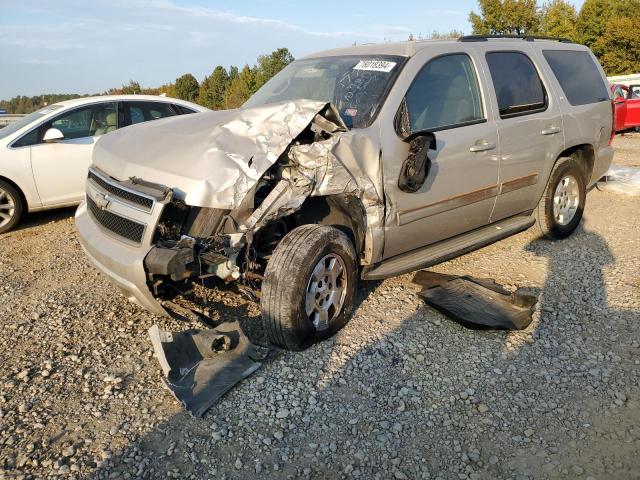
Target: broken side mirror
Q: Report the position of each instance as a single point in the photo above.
(416, 167)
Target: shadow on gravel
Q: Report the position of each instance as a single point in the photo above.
(476, 381)
(35, 219)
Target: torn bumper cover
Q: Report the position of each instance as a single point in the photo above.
(200, 366)
(474, 301)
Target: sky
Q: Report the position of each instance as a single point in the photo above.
(89, 46)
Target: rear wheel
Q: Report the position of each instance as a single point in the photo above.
(11, 207)
(560, 209)
(308, 287)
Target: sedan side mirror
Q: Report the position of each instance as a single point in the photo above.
(52, 135)
(619, 100)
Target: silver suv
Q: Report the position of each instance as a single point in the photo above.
(364, 162)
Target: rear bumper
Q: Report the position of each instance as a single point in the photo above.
(602, 163)
(123, 264)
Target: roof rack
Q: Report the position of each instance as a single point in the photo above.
(526, 38)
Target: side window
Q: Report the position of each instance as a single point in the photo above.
(145, 111)
(136, 115)
(518, 87)
(619, 92)
(444, 94)
(31, 138)
(578, 76)
(182, 110)
(634, 92)
(92, 120)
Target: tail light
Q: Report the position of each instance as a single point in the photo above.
(613, 121)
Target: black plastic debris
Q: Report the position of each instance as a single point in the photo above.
(200, 366)
(475, 301)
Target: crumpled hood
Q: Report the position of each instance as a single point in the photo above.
(209, 159)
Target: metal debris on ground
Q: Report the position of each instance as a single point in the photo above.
(621, 179)
(474, 301)
(200, 366)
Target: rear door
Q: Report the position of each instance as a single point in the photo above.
(632, 118)
(60, 169)
(529, 127)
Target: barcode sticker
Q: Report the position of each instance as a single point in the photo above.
(375, 65)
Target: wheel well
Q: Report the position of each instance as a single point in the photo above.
(344, 212)
(18, 189)
(585, 154)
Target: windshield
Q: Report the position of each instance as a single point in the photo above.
(26, 120)
(356, 85)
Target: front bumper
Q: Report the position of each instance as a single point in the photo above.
(123, 264)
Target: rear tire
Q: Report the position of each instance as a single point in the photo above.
(560, 209)
(12, 207)
(311, 271)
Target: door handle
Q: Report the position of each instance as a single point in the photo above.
(483, 146)
(551, 131)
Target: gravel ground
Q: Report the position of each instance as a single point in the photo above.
(401, 392)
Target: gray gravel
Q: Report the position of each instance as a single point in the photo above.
(402, 392)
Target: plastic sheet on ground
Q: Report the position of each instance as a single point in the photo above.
(621, 179)
(200, 366)
(475, 301)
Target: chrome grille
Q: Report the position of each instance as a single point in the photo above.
(121, 226)
(121, 192)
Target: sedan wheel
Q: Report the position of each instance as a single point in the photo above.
(11, 206)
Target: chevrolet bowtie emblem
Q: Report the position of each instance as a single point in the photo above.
(101, 201)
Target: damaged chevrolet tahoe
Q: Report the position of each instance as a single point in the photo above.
(357, 163)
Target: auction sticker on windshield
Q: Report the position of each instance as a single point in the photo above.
(375, 65)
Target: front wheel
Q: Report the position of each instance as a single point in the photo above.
(308, 286)
(560, 209)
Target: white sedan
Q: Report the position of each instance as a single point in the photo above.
(45, 155)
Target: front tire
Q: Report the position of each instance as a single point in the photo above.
(308, 286)
(560, 209)
(11, 207)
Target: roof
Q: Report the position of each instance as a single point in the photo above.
(157, 98)
(411, 47)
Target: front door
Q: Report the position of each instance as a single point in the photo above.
(60, 169)
(530, 129)
(459, 191)
(620, 102)
(632, 116)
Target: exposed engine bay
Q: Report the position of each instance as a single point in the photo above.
(325, 175)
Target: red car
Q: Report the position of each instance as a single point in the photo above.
(627, 102)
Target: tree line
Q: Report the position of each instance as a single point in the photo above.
(221, 89)
(610, 28)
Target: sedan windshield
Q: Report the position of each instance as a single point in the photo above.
(356, 85)
(26, 120)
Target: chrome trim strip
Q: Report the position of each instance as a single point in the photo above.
(97, 172)
(441, 206)
(517, 183)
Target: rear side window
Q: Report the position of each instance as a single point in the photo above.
(182, 110)
(145, 111)
(444, 94)
(578, 76)
(518, 86)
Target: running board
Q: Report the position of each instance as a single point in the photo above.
(447, 249)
